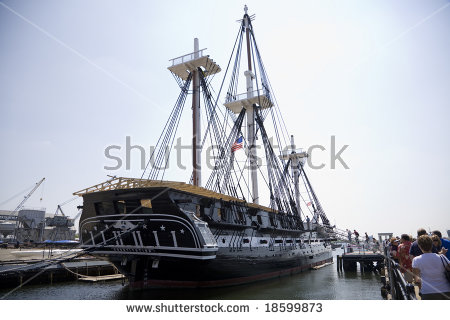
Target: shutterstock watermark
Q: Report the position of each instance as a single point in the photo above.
(118, 155)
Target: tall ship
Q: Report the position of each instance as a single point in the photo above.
(255, 217)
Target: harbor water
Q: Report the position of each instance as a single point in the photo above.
(322, 284)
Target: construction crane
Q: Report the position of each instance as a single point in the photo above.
(61, 223)
(18, 221)
(59, 207)
(27, 196)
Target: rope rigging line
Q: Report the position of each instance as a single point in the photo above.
(283, 189)
(167, 135)
(222, 165)
(266, 85)
(316, 200)
(220, 135)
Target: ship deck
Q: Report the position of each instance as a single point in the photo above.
(121, 183)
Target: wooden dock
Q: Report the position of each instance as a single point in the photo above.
(21, 272)
(368, 261)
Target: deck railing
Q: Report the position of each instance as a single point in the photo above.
(187, 57)
(242, 96)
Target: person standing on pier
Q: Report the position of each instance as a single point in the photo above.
(445, 244)
(367, 238)
(393, 248)
(415, 251)
(404, 258)
(356, 236)
(429, 269)
(376, 245)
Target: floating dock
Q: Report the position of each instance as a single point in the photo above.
(107, 277)
(322, 265)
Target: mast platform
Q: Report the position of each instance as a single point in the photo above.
(295, 154)
(236, 103)
(184, 65)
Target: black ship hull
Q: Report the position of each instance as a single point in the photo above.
(217, 273)
(163, 243)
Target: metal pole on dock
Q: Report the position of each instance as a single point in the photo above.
(339, 263)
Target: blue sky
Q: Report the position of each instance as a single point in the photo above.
(78, 76)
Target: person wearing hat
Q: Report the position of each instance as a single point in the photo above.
(393, 246)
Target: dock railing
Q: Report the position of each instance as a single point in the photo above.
(399, 288)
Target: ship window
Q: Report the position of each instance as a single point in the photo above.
(146, 203)
(240, 217)
(288, 241)
(146, 206)
(223, 214)
(127, 206)
(298, 241)
(245, 240)
(104, 208)
(120, 206)
(259, 218)
(278, 241)
(219, 214)
(272, 220)
(197, 211)
(263, 241)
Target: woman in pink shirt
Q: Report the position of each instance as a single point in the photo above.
(404, 259)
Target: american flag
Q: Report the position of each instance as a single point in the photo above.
(237, 144)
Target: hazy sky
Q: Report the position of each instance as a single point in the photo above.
(78, 76)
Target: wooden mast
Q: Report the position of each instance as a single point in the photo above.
(251, 115)
(196, 129)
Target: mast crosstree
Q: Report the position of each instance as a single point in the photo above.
(183, 67)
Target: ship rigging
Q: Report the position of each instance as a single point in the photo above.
(226, 125)
(223, 230)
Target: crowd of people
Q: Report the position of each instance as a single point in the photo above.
(424, 261)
